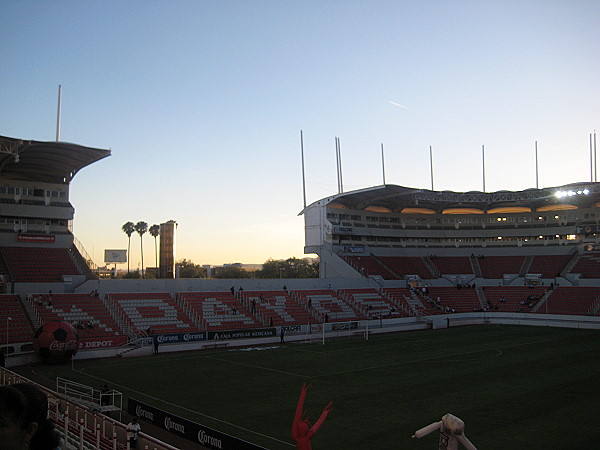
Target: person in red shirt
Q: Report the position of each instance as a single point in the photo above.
(302, 432)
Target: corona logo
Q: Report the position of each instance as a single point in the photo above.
(204, 438)
(170, 425)
(141, 412)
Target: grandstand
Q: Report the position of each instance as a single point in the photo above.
(391, 259)
(217, 311)
(392, 233)
(276, 308)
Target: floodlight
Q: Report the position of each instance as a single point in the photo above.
(561, 194)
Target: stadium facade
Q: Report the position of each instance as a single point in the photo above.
(35, 210)
(395, 221)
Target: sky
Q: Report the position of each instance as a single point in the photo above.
(202, 103)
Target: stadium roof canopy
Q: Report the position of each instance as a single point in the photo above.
(51, 162)
(393, 198)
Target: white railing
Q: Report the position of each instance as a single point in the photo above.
(88, 259)
(83, 427)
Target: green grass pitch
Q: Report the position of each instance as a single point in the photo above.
(514, 387)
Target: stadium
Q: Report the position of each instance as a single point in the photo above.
(480, 304)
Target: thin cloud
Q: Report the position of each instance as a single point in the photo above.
(398, 105)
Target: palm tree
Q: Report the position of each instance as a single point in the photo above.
(155, 231)
(141, 228)
(128, 228)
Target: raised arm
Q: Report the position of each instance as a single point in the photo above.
(299, 409)
(428, 429)
(321, 419)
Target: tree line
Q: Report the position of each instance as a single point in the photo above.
(289, 268)
(271, 268)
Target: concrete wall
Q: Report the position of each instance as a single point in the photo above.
(173, 286)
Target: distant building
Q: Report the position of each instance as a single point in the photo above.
(168, 233)
(246, 267)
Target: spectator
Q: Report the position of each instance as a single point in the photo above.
(451, 432)
(23, 416)
(155, 343)
(133, 430)
(104, 400)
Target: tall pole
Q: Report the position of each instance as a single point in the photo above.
(337, 163)
(595, 159)
(483, 162)
(591, 160)
(431, 165)
(536, 168)
(303, 176)
(58, 112)
(383, 164)
(341, 172)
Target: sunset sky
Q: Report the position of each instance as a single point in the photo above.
(202, 103)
